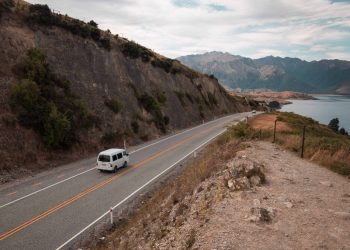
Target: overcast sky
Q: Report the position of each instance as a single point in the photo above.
(308, 29)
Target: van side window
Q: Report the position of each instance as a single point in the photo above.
(120, 155)
(114, 157)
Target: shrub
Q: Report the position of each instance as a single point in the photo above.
(57, 129)
(43, 101)
(25, 94)
(105, 43)
(165, 64)
(114, 105)
(149, 103)
(93, 24)
(135, 127)
(6, 5)
(152, 106)
(161, 97)
(41, 14)
(212, 99)
(134, 50)
(334, 124)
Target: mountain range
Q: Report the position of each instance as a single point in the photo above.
(274, 73)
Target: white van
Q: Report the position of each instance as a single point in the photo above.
(112, 159)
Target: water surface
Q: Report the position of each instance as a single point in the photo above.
(324, 109)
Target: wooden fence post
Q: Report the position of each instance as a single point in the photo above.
(274, 132)
(303, 142)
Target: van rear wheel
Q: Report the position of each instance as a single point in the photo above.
(125, 164)
(115, 169)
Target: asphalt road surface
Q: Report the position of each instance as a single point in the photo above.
(51, 209)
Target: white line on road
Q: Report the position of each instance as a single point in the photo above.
(86, 171)
(137, 190)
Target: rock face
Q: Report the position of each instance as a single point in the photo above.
(97, 74)
(274, 73)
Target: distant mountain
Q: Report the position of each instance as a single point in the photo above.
(275, 73)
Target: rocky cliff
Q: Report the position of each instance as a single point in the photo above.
(274, 73)
(126, 90)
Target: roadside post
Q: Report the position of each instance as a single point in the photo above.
(194, 154)
(111, 214)
(303, 142)
(274, 132)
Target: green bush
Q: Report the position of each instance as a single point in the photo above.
(161, 97)
(26, 94)
(212, 99)
(114, 105)
(165, 64)
(134, 50)
(41, 14)
(150, 104)
(43, 102)
(57, 129)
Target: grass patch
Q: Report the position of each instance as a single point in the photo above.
(114, 105)
(322, 145)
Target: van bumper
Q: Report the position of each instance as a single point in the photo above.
(105, 167)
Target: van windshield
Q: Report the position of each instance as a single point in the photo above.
(104, 158)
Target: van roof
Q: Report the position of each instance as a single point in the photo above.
(112, 151)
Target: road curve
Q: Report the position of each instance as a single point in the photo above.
(51, 209)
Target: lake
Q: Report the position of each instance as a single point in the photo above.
(324, 109)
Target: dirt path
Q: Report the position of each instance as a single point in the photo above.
(308, 208)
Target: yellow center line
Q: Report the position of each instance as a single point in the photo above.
(95, 187)
(36, 184)
(12, 193)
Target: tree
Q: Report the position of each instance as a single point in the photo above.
(93, 23)
(343, 131)
(334, 124)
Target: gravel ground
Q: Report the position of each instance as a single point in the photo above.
(264, 198)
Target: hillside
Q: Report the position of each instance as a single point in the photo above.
(69, 89)
(275, 73)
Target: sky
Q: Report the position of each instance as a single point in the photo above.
(307, 29)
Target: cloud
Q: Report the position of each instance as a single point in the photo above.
(250, 28)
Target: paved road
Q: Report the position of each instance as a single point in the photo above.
(48, 210)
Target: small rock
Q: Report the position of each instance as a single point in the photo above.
(230, 183)
(343, 215)
(326, 183)
(256, 203)
(288, 204)
(272, 211)
(255, 180)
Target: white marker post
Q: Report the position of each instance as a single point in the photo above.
(124, 144)
(111, 214)
(194, 154)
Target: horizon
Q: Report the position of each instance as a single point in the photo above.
(312, 31)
